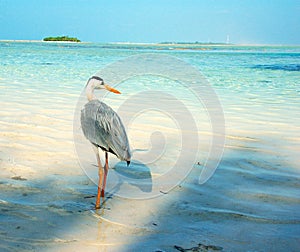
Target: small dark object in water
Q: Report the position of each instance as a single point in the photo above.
(163, 192)
(18, 178)
(89, 196)
(200, 248)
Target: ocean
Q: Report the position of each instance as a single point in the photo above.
(250, 202)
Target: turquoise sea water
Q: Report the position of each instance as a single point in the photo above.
(251, 203)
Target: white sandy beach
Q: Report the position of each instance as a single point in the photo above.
(47, 204)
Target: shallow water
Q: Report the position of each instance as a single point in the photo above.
(251, 203)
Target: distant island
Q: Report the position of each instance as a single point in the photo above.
(62, 38)
(193, 43)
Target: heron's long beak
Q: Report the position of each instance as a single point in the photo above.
(109, 88)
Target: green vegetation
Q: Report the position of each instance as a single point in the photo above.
(62, 38)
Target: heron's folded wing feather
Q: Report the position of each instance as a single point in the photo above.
(103, 127)
(116, 137)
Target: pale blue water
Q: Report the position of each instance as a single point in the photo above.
(252, 203)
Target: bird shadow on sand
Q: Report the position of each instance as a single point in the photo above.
(136, 175)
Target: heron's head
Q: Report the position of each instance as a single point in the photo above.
(99, 83)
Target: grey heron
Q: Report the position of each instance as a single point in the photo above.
(102, 126)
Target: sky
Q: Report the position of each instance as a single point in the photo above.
(142, 21)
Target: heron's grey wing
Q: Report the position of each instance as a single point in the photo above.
(103, 127)
(93, 130)
(115, 134)
(118, 140)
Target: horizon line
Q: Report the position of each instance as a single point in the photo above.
(150, 43)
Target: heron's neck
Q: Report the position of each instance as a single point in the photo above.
(89, 90)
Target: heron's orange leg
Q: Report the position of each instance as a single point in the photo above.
(105, 174)
(100, 173)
